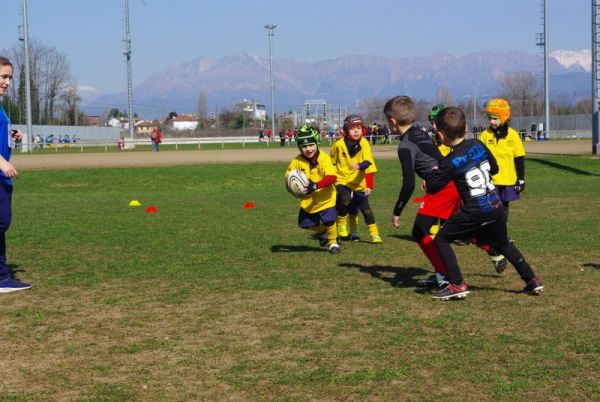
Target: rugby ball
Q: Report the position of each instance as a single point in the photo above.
(296, 183)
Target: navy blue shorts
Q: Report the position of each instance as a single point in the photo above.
(306, 220)
(507, 193)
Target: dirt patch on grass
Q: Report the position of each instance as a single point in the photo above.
(274, 154)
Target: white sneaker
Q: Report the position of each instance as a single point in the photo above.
(334, 248)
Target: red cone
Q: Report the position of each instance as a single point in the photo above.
(249, 205)
(151, 209)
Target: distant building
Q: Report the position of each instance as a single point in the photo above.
(121, 122)
(92, 121)
(252, 109)
(144, 127)
(183, 122)
(114, 122)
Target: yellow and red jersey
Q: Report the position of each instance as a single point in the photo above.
(321, 198)
(504, 150)
(340, 156)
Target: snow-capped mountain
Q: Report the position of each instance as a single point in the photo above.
(345, 80)
(574, 58)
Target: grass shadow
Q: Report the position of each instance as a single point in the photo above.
(284, 248)
(14, 269)
(401, 278)
(561, 166)
(591, 265)
(403, 237)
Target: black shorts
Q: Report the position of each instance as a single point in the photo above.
(490, 230)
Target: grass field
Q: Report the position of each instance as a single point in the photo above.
(206, 300)
(112, 147)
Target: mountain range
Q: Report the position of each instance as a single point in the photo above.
(345, 80)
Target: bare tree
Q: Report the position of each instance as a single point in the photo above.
(522, 91)
(202, 104)
(49, 76)
(57, 75)
(372, 109)
(70, 113)
(444, 95)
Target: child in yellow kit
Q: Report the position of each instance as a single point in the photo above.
(355, 166)
(317, 207)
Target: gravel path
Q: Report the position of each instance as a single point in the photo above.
(274, 154)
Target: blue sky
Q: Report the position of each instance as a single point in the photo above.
(90, 32)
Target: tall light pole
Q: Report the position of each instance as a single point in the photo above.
(595, 76)
(27, 144)
(127, 53)
(546, 75)
(542, 41)
(270, 29)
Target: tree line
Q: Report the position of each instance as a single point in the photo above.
(53, 89)
(522, 89)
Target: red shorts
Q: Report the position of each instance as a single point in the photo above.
(441, 205)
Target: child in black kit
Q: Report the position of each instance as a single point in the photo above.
(471, 166)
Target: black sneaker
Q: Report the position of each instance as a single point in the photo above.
(534, 287)
(322, 238)
(452, 291)
(500, 262)
(436, 280)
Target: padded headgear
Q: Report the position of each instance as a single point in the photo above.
(500, 108)
(351, 121)
(307, 134)
(434, 111)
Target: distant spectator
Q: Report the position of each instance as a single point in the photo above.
(156, 138)
(261, 134)
(533, 129)
(385, 131)
(281, 137)
(121, 143)
(374, 133)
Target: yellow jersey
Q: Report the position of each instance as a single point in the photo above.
(341, 159)
(321, 198)
(505, 150)
(444, 149)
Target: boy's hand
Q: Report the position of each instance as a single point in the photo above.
(17, 135)
(354, 166)
(520, 185)
(395, 221)
(8, 169)
(312, 186)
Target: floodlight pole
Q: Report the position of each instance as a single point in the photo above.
(542, 41)
(127, 54)
(546, 75)
(270, 29)
(28, 140)
(595, 75)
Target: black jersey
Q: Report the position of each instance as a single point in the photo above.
(418, 154)
(471, 166)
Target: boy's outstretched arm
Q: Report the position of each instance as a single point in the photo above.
(438, 178)
(408, 183)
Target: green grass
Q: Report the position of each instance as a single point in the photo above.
(206, 300)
